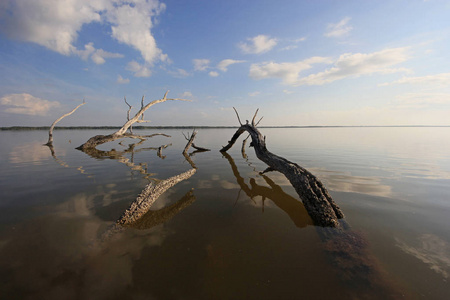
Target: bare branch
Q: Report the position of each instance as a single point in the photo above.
(50, 132)
(258, 121)
(190, 141)
(237, 115)
(253, 120)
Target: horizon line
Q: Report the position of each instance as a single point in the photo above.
(5, 128)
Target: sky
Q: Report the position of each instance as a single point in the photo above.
(302, 63)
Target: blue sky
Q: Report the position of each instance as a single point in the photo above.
(299, 62)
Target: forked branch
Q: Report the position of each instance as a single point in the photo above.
(138, 118)
(318, 202)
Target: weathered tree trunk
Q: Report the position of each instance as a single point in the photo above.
(50, 132)
(318, 202)
(154, 218)
(121, 133)
(149, 195)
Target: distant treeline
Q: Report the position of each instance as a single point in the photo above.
(19, 128)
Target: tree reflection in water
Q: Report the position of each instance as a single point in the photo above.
(347, 250)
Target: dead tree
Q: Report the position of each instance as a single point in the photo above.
(50, 132)
(190, 143)
(122, 132)
(318, 202)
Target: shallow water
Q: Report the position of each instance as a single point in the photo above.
(241, 235)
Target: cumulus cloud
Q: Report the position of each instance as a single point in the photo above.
(26, 104)
(122, 80)
(442, 79)
(200, 64)
(258, 44)
(97, 55)
(223, 65)
(132, 24)
(213, 74)
(355, 65)
(339, 29)
(55, 24)
(288, 72)
(138, 69)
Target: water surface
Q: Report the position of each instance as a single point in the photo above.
(241, 235)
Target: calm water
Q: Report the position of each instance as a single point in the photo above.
(241, 235)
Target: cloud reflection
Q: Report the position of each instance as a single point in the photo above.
(34, 153)
(431, 250)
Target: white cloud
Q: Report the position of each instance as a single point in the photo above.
(287, 92)
(179, 73)
(442, 79)
(186, 95)
(291, 47)
(355, 65)
(200, 64)
(26, 104)
(339, 29)
(138, 69)
(302, 39)
(97, 55)
(254, 94)
(55, 24)
(289, 72)
(258, 44)
(223, 65)
(213, 74)
(132, 24)
(122, 80)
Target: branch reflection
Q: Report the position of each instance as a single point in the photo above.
(290, 205)
(348, 251)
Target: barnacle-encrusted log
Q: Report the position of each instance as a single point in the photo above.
(318, 202)
(155, 217)
(149, 195)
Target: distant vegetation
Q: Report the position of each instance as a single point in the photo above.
(19, 128)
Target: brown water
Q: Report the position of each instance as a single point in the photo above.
(239, 235)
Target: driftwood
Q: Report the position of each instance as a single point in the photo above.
(155, 217)
(121, 133)
(50, 132)
(149, 195)
(318, 202)
(190, 143)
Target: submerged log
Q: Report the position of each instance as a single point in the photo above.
(156, 217)
(318, 202)
(149, 195)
